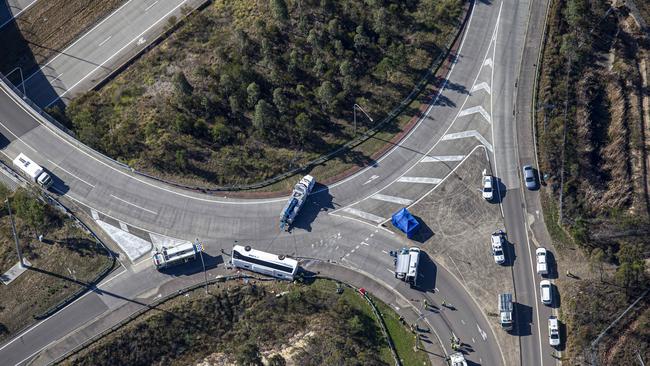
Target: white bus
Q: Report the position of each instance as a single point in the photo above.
(269, 264)
(183, 253)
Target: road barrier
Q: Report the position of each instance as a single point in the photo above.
(417, 89)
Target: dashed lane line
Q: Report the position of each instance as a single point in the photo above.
(133, 204)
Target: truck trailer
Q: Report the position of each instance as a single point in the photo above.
(298, 197)
(33, 171)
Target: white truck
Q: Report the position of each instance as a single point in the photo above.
(505, 311)
(33, 171)
(414, 260)
(178, 254)
(542, 264)
(297, 199)
(457, 359)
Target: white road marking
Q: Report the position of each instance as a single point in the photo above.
(423, 180)
(385, 252)
(462, 321)
(466, 134)
(482, 332)
(70, 173)
(124, 227)
(390, 270)
(151, 6)
(476, 109)
(371, 179)
(58, 77)
(133, 204)
(364, 215)
(104, 41)
(488, 62)
(392, 199)
(364, 243)
(473, 341)
(94, 214)
(481, 86)
(117, 52)
(441, 158)
(65, 51)
(141, 41)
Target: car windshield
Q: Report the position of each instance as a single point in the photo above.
(554, 335)
(529, 179)
(498, 252)
(487, 189)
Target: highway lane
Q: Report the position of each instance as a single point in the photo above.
(99, 51)
(117, 193)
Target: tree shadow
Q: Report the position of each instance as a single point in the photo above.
(427, 272)
(316, 202)
(523, 320)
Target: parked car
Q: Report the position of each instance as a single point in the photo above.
(542, 265)
(488, 187)
(545, 292)
(497, 246)
(529, 177)
(553, 331)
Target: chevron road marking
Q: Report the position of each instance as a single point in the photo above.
(423, 180)
(488, 62)
(483, 86)
(476, 109)
(363, 215)
(393, 199)
(466, 134)
(441, 158)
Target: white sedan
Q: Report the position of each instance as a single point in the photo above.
(553, 331)
(488, 187)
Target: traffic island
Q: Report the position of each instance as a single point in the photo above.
(456, 224)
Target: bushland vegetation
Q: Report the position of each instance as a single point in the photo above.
(593, 146)
(246, 325)
(244, 90)
(61, 264)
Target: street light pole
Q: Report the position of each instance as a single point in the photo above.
(205, 274)
(13, 228)
(354, 109)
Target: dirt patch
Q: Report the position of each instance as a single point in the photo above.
(462, 222)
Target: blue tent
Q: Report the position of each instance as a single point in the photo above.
(404, 221)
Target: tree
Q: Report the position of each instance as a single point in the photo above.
(303, 127)
(181, 160)
(280, 10)
(280, 100)
(29, 209)
(263, 117)
(326, 95)
(632, 265)
(181, 84)
(596, 261)
(220, 133)
(249, 355)
(277, 360)
(253, 92)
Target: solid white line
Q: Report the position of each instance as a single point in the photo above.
(151, 6)
(59, 167)
(476, 109)
(422, 180)
(17, 138)
(466, 134)
(445, 158)
(117, 52)
(77, 41)
(392, 199)
(104, 41)
(15, 16)
(133, 204)
(363, 215)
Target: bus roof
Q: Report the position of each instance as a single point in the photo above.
(28, 166)
(268, 257)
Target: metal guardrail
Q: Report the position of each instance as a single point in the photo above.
(417, 89)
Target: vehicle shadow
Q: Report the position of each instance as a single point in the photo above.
(551, 266)
(563, 336)
(317, 202)
(424, 232)
(501, 190)
(193, 267)
(557, 299)
(509, 250)
(427, 273)
(523, 320)
(58, 185)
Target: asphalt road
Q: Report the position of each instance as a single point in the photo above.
(475, 108)
(13, 8)
(102, 49)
